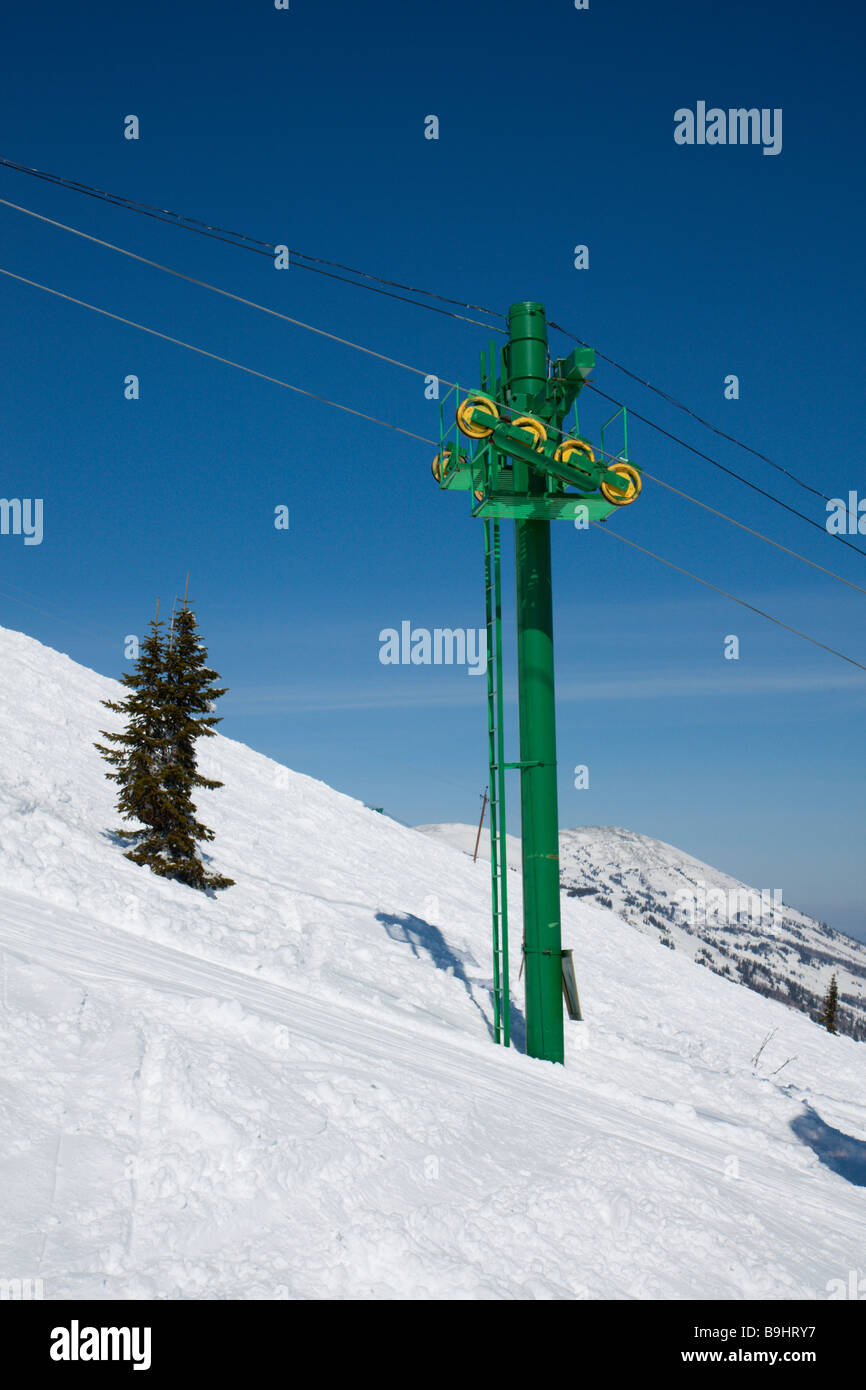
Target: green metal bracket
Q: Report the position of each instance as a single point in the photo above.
(565, 384)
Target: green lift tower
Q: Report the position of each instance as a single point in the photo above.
(520, 464)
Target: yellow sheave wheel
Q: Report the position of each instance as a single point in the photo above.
(464, 413)
(573, 446)
(621, 499)
(535, 427)
(436, 465)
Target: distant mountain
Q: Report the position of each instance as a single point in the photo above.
(734, 930)
(718, 921)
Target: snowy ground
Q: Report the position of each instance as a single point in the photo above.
(290, 1091)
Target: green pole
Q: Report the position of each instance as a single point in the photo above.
(527, 375)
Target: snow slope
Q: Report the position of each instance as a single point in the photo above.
(289, 1091)
(744, 933)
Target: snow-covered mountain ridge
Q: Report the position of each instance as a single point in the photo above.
(290, 1090)
(742, 933)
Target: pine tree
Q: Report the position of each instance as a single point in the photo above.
(138, 755)
(168, 708)
(831, 1000)
(188, 698)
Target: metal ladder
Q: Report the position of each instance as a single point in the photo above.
(496, 759)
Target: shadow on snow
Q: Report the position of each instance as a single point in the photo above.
(423, 937)
(837, 1151)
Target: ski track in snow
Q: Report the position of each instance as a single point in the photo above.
(290, 1091)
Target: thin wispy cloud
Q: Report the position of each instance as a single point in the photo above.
(272, 700)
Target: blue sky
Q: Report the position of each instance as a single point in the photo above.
(556, 129)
